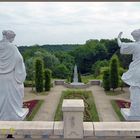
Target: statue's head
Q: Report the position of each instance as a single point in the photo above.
(9, 35)
(136, 35)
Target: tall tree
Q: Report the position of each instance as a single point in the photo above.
(39, 75)
(114, 74)
(61, 71)
(96, 67)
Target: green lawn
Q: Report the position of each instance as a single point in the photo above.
(28, 83)
(90, 113)
(116, 92)
(87, 78)
(117, 110)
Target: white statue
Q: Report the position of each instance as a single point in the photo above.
(12, 76)
(132, 76)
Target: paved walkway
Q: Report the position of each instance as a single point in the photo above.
(104, 107)
(102, 101)
(48, 108)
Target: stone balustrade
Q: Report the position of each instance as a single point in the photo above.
(72, 127)
(59, 82)
(55, 130)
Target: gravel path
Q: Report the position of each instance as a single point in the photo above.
(48, 108)
(103, 104)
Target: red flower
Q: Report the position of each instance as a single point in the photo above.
(123, 104)
(30, 105)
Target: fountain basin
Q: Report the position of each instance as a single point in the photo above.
(77, 83)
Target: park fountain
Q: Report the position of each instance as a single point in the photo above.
(75, 77)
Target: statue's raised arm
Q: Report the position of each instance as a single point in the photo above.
(125, 48)
(119, 39)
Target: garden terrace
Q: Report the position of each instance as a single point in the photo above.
(73, 128)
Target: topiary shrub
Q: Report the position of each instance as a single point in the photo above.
(114, 73)
(72, 75)
(106, 80)
(47, 75)
(39, 75)
(79, 77)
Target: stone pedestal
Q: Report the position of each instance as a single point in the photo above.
(26, 111)
(133, 113)
(73, 118)
(128, 116)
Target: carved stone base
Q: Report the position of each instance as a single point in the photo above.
(73, 118)
(26, 110)
(129, 117)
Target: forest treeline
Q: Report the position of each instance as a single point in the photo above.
(52, 48)
(90, 57)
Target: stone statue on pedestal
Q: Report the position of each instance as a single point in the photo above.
(12, 76)
(132, 76)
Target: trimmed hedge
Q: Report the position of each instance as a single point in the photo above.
(39, 75)
(106, 80)
(47, 75)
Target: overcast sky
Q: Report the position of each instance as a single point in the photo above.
(68, 22)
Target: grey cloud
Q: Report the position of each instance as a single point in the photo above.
(43, 23)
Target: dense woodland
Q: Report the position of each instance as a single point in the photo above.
(91, 58)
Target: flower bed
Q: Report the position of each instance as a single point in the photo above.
(123, 104)
(33, 107)
(90, 111)
(30, 105)
(117, 105)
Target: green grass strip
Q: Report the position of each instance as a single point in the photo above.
(93, 109)
(58, 113)
(117, 110)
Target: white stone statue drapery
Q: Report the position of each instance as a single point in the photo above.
(132, 76)
(12, 76)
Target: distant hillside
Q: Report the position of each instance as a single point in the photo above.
(86, 56)
(51, 48)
